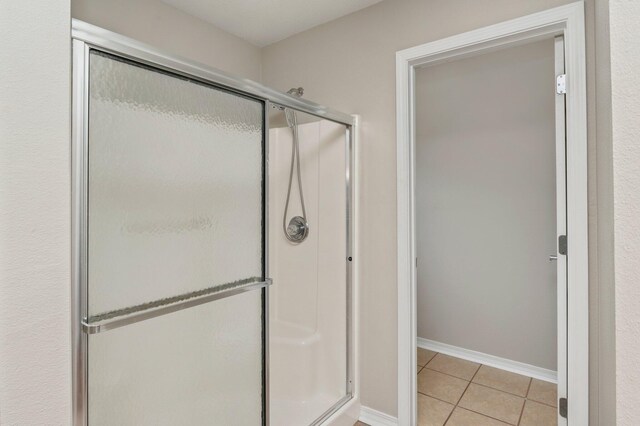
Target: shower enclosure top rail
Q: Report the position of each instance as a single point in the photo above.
(120, 45)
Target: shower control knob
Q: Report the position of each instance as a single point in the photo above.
(297, 230)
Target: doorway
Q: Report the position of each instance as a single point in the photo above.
(490, 201)
(441, 252)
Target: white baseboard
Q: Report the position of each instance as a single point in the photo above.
(376, 418)
(490, 360)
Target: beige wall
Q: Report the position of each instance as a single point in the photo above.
(625, 95)
(167, 28)
(485, 203)
(349, 64)
(35, 341)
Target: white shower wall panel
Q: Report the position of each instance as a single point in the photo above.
(308, 343)
(294, 267)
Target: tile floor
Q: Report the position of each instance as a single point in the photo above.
(455, 392)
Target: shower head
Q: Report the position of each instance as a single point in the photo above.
(296, 91)
(290, 115)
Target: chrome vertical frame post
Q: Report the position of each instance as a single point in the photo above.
(350, 162)
(79, 135)
(265, 295)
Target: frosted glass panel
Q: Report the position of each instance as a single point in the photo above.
(175, 186)
(175, 206)
(200, 366)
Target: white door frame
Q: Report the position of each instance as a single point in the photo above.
(565, 20)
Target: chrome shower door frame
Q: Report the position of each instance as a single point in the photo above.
(86, 37)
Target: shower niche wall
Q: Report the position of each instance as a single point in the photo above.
(191, 306)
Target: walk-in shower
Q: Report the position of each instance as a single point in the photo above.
(191, 306)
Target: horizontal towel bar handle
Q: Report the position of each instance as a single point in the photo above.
(112, 320)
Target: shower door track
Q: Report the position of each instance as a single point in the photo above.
(87, 37)
(107, 41)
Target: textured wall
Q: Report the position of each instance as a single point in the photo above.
(35, 345)
(625, 96)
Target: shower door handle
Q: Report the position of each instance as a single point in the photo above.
(553, 257)
(171, 304)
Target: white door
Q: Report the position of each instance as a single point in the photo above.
(561, 229)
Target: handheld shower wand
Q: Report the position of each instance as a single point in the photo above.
(297, 229)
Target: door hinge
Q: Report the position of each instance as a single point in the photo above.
(561, 84)
(562, 407)
(562, 244)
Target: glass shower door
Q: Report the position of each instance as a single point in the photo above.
(174, 265)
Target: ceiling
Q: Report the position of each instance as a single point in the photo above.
(262, 22)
